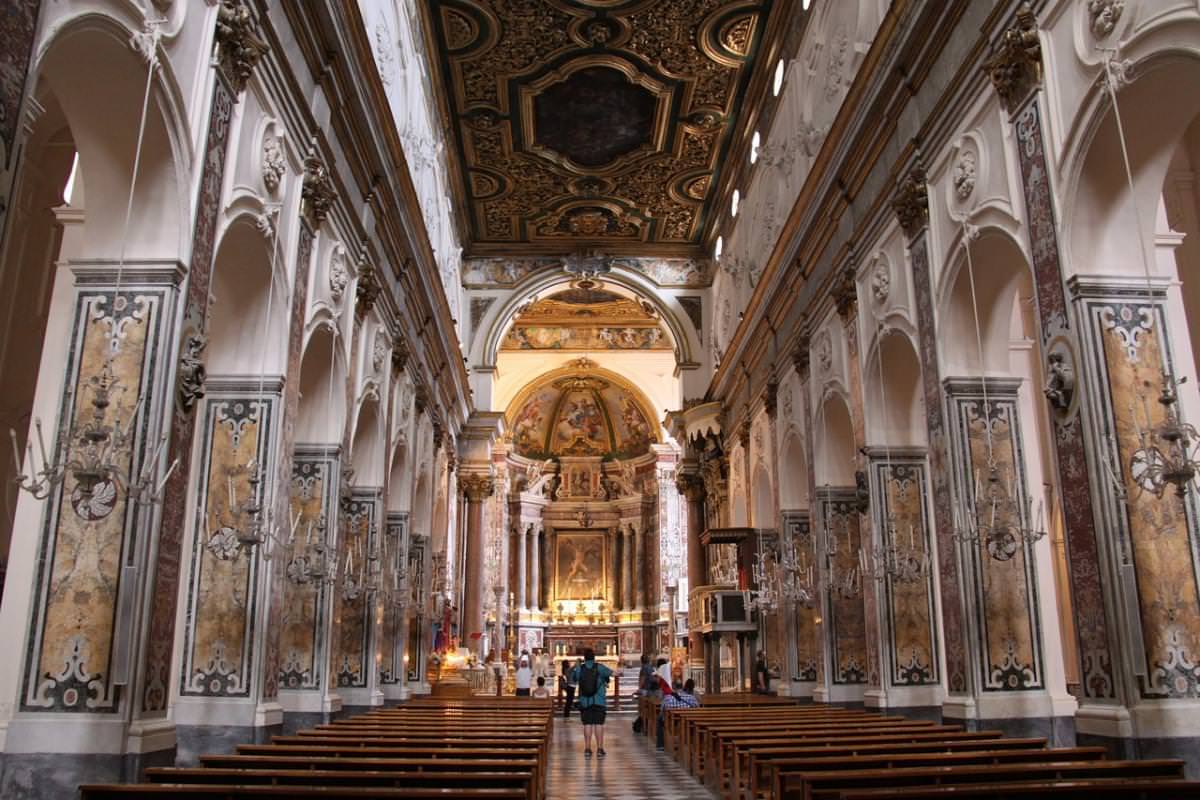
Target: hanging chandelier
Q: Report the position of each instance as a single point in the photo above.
(996, 515)
(893, 561)
(93, 450)
(1168, 452)
(846, 583)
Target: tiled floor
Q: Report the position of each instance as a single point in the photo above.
(632, 770)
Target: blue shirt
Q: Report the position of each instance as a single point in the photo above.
(600, 697)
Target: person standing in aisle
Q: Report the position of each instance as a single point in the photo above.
(592, 680)
(566, 682)
(524, 678)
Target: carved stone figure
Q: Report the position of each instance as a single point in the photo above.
(339, 277)
(189, 386)
(274, 166)
(881, 280)
(964, 175)
(824, 348)
(318, 191)
(1060, 381)
(1103, 16)
(240, 48)
(911, 202)
(380, 350)
(1016, 64)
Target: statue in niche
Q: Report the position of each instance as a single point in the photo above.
(1060, 381)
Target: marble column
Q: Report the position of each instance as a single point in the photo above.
(535, 571)
(691, 486)
(548, 535)
(639, 566)
(627, 600)
(522, 536)
(614, 569)
(477, 488)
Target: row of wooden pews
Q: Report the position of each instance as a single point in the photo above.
(482, 747)
(750, 748)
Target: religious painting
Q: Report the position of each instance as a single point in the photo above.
(580, 481)
(630, 426)
(580, 428)
(538, 337)
(581, 415)
(630, 641)
(529, 425)
(579, 566)
(530, 640)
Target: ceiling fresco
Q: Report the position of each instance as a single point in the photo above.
(587, 319)
(580, 415)
(685, 273)
(594, 124)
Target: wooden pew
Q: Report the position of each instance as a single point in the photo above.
(828, 785)
(756, 765)
(1062, 790)
(183, 791)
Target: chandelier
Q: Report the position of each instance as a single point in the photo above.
(846, 583)
(1168, 453)
(892, 560)
(317, 563)
(997, 514)
(93, 450)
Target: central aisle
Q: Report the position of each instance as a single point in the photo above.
(632, 770)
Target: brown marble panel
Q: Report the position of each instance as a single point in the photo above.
(300, 611)
(847, 625)
(352, 614)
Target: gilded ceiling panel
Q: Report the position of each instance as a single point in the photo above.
(593, 124)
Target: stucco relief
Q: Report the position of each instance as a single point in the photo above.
(881, 279)
(823, 348)
(273, 164)
(339, 275)
(1103, 16)
(965, 168)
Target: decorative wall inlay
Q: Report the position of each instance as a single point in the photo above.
(798, 527)
(161, 634)
(84, 545)
(1004, 584)
(1156, 536)
(396, 606)
(595, 124)
(847, 619)
(939, 472)
(222, 597)
(908, 608)
(18, 29)
(304, 621)
(1103, 16)
(1083, 547)
(352, 600)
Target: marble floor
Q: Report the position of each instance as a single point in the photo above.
(632, 770)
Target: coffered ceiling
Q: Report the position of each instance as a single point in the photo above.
(601, 125)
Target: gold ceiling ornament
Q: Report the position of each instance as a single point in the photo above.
(598, 123)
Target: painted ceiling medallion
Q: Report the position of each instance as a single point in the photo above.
(596, 123)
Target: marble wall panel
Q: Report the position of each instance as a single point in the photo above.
(86, 540)
(352, 652)
(908, 607)
(798, 527)
(237, 431)
(846, 618)
(1157, 535)
(1001, 572)
(303, 615)
(391, 647)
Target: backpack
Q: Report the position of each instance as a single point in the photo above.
(589, 680)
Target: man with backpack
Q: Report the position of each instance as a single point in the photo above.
(592, 680)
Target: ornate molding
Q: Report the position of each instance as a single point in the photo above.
(367, 289)
(476, 486)
(911, 202)
(1016, 63)
(239, 48)
(845, 292)
(399, 355)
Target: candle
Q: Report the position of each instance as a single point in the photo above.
(16, 451)
(910, 538)
(232, 494)
(37, 423)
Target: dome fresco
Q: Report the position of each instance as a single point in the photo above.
(581, 415)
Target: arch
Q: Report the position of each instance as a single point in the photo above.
(620, 280)
(242, 297)
(399, 480)
(1157, 107)
(835, 442)
(1001, 274)
(321, 417)
(793, 473)
(893, 374)
(367, 450)
(765, 512)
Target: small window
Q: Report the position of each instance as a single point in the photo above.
(719, 247)
(755, 141)
(775, 87)
(733, 205)
(806, 4)
(69, 189)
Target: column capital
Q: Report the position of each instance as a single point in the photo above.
(239, 48)
(317, 190)
(1015, 66)
(690, 485)
(911, 202)
(476, 486)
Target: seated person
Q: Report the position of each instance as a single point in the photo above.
(541, 690)
(684, 698)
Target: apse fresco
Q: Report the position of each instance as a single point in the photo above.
(1161, 538)
(581, 416)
